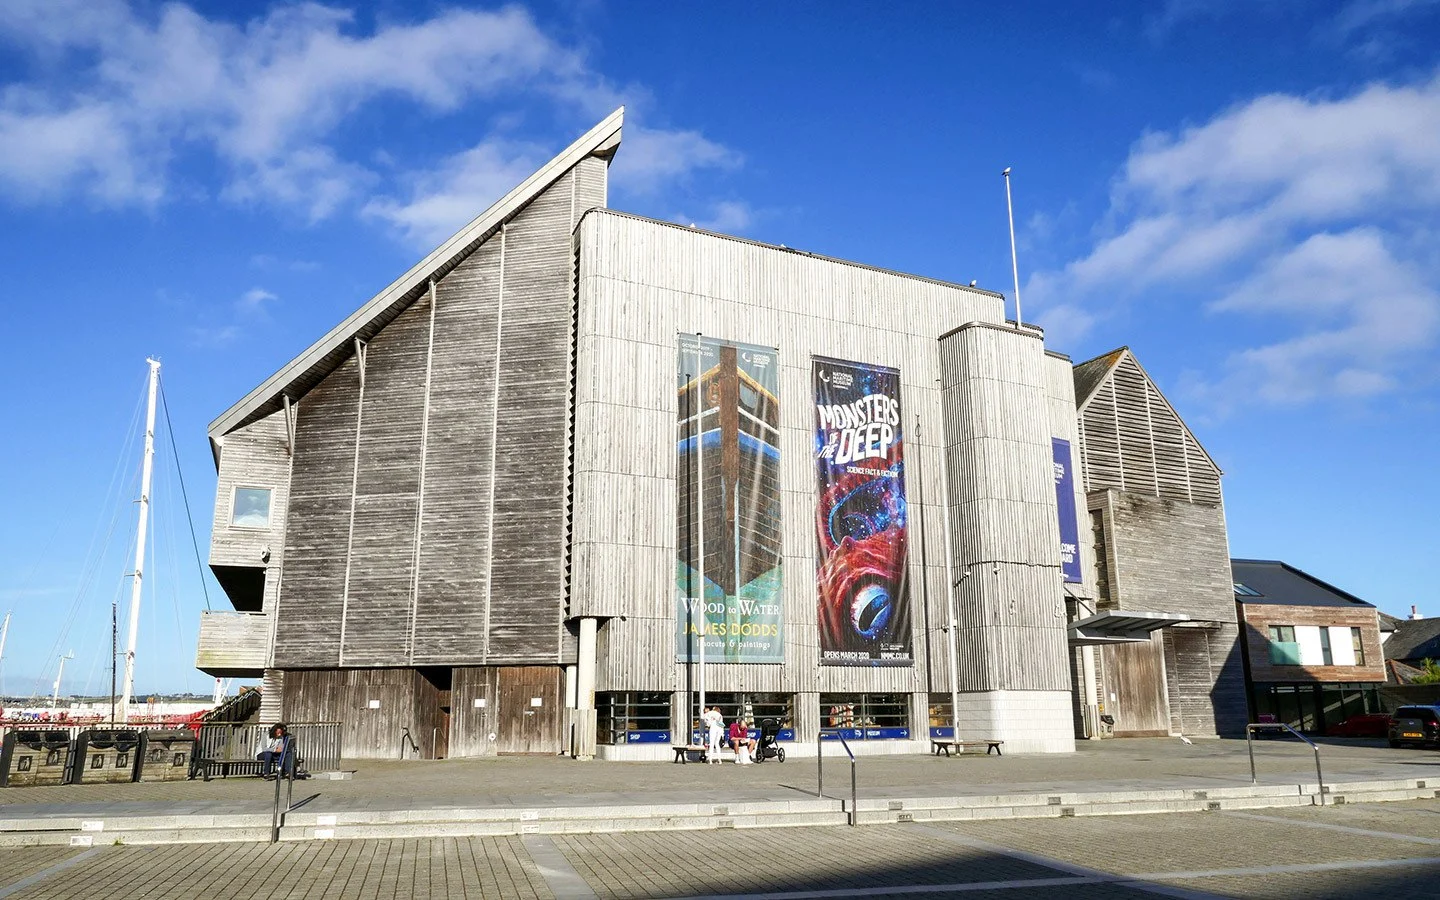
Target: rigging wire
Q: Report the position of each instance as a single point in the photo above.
(94, 557)
(189, 517)
(172, 557)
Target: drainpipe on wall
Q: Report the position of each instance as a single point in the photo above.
(582, 736)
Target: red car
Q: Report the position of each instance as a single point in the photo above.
(1368, 725)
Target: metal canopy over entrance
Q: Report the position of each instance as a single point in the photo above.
(1121, 626)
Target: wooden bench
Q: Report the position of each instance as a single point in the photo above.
(682, 751)
(945, 745)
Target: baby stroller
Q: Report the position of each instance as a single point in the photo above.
(768, 747)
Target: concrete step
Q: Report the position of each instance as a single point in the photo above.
(560, 826)
(182, 834)
(307, 824)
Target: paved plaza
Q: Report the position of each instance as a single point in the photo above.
(1132, 764)
(1390, 850)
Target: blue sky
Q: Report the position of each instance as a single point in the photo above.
(1246, 193)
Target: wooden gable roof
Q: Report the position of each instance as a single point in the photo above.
(1133, 439)
(321, 358)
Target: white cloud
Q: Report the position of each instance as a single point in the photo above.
(1359, 15)
(653, 157)
(1364, 311)
(115, 95)
(1293, 212)
(249, 309)
(459, 189)
(253, 301)
(726, 217)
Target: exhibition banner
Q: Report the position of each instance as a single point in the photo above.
(1065, 504)
(727, 478)
(860, 521)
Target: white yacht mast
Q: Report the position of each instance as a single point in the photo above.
(138, 577)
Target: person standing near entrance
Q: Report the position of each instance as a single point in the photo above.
(715, 728)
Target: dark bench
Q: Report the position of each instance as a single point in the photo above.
(945, 745)
(682, 752)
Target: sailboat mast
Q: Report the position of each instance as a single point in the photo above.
(137, 580)
(4, 633)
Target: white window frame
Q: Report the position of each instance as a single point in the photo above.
(269, 508)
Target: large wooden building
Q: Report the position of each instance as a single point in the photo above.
(511, 503)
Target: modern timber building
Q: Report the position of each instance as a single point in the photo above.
(494, 509)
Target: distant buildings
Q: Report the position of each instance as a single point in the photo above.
(1313, 654)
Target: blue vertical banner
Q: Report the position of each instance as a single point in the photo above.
(1065, 504)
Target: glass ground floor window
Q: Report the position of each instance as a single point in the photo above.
(941, 724)
(754, 707)
(1314, 708)
(865, 717)
(632, 717)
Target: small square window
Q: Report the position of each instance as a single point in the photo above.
(252, 508)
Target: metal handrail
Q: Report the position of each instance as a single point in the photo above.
(405, 737)
(286, 772)
(854, 812)
(1250, 745)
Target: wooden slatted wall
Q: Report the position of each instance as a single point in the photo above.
(641, 284)
(317, 533)
(430, 495)
(1002, 499)
(1134, 441)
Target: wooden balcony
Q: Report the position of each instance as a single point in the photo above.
(233, 644)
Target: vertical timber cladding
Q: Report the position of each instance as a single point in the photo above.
(454, 553)
(527, 521)
(527, 713)
(376, 709)
(861, 519)
(376, 625)
(728, 512)
(317, 526)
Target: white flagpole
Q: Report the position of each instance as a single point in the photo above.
(1014, 263)
(700, 502)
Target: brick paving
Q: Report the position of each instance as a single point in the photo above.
(339, 870)
(685, 863)
(24, 861)
(1381, 849)
(1073, 858)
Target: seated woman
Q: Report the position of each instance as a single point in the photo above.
(272, 748)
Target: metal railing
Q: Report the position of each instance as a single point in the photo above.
(853, 812)
(316, 743)
(405, 738)
(1273, 726)
(286, 774)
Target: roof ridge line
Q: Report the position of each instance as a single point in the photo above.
(600, 140)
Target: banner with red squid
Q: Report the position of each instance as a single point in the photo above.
(860, 521)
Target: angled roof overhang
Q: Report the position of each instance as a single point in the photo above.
(1121, 626)
(325, 355)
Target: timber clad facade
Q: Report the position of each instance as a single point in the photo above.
(1313, 653)
(1155, 506)
(471, 500)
